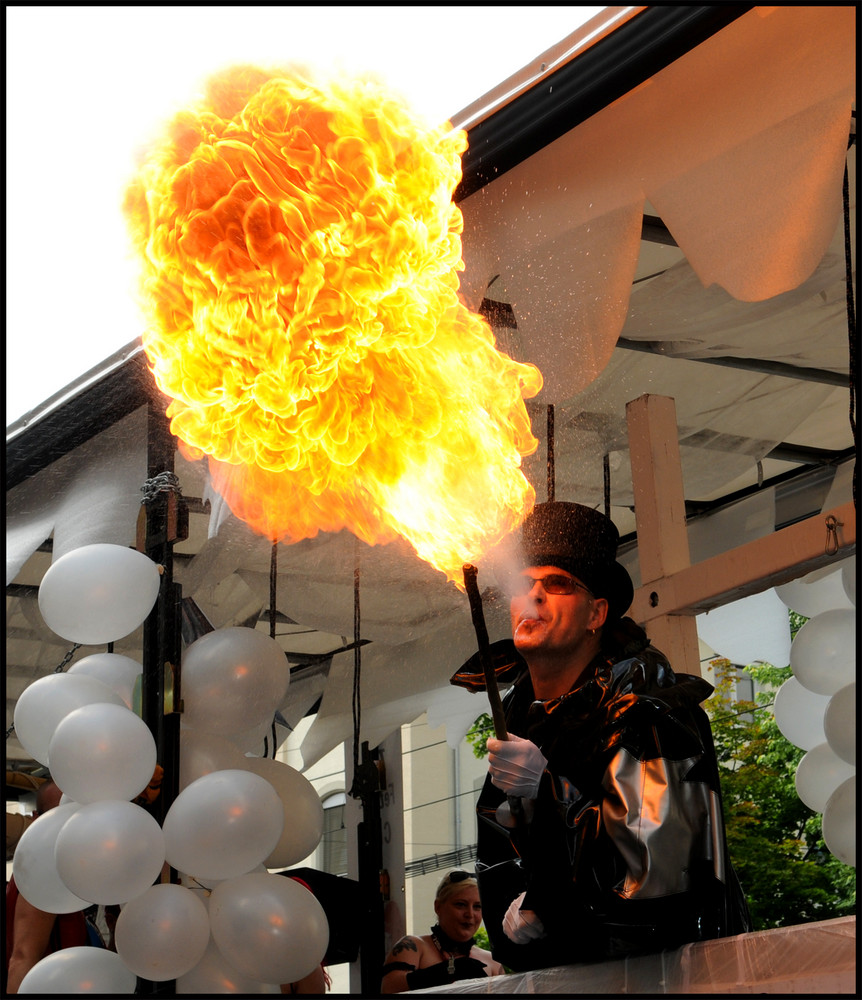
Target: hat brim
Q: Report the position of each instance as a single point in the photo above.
(622, 591)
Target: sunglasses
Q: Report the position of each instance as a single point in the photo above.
(553, 583)
(459, 876)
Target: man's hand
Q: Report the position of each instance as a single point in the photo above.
(522, 926)
(516, 766)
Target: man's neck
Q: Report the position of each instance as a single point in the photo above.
(553, 677)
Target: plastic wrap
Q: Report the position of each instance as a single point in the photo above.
(805, 959)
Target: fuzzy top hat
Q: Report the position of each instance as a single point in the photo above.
(583, 542)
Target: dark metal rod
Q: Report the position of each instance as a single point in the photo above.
(162, 644)
(606, 475)
(273, 586)
(472, 587)
(550, 440)
(355, 790)
(798, 372)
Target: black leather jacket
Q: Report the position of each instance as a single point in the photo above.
(624, 848)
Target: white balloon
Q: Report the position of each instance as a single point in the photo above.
(269, 927)
(163, 933)
(818, 591)
(34, 868)
(818, 774)
(839, 822)
(101, 752)
(110, 852)
(81, 969)
(215, 974)
(302, 808)
(799, 714)
(47, 701)
(98, 593)
(839, 723)
(234, 679)
(118, 672)
(203, 753)
(848, 579)
(222, 825)
(823, 653)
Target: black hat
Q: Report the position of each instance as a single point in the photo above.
(583, 542)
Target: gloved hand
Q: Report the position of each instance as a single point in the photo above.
(438, 975)
(516, 766)
(522, 926)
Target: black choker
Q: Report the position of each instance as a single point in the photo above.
(444, 943)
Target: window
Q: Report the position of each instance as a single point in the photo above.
(333, 843)
(745, 690)
(744, 687)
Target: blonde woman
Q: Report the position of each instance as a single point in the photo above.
(449, 952)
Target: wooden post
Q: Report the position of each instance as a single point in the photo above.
(660, 519)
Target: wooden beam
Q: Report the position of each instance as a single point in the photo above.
(658, 488)
(749, 569)
(660, 518)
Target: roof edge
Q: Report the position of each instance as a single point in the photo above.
(632, 49)
(544, 65)
(97, 400)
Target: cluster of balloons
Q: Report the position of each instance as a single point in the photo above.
(230, 926)
(815, 709)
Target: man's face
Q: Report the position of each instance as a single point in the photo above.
(553, 624)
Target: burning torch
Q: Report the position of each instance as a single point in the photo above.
(515, 815)
(475, 598)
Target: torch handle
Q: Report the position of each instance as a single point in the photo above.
(475, 598)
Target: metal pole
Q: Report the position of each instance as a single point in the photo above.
(369, 835)
(164, 521)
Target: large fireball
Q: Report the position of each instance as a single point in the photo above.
(300, 252)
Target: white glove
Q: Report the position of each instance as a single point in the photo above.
(522, 926)
(516, 766)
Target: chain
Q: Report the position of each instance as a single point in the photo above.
(164, 482)
(59, 668)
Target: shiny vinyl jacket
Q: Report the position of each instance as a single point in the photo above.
(623, 850)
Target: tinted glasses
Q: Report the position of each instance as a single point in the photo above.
(520, 585)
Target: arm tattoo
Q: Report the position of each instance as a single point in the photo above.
(405, 944)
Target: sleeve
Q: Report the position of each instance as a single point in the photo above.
(660, 820)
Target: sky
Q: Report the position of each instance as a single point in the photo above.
(88, 87)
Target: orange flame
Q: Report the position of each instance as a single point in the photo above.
(300, 251)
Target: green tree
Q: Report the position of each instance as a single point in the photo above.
(482, 939)
(775, 840)
(478, 735)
